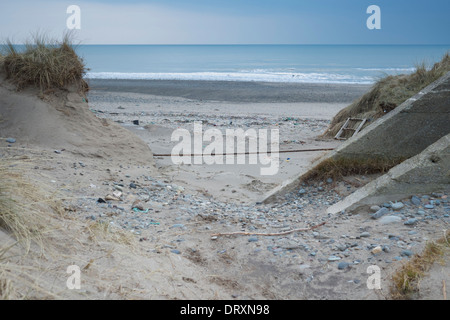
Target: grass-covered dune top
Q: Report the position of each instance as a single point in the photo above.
(388, 93)
(43, 63)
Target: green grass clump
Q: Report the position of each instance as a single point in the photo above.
(46, 64)
(388, 93)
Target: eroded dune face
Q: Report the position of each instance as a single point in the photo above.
(64, 121)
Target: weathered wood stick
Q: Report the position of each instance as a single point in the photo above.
(444, 290)
(267, 234)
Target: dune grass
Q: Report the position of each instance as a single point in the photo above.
(37, 236)
(25, 204)
(339, 168)
(405, 282)
(388, 93)
(44, 63)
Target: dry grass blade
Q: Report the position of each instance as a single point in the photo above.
(406, 280)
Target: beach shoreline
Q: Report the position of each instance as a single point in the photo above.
(236, 91)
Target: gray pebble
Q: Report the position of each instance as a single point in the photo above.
(407, 253)
(390, 219)
(397, 205)
(410, 222)
(343, 265)
(11, 140)
(416, 200)
(333, 258)
(380, 213)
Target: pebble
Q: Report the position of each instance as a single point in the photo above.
(333, 258)
(175, 251)
(381, 212)
(415, 200)
(390, 219)
(397, 206)
(377, 250)
(428, 206)
(253, 239)
(343, 265)
(407, 253)
(411, 222)
(374, 208)
(364, 234)
(11, 140)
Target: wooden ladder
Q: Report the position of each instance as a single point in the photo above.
(350, 128)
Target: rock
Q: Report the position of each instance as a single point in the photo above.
(333, 258)
(117, 194)
(364, 234)
(343, 265)
(301, 191)
(111, 198)
(428, 206)
(214, 238)
(390, 219)
(138, 205)
(411, 221)
(329, 180)
(11, 140)
(407, 253)
(380, 213)
(253, 239)
(397, 206)
(176, 251)
(377, 250)
(178, 225)
(415, 200)
(375, 208)
(133, 185)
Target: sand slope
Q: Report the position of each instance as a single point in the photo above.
(64, 122)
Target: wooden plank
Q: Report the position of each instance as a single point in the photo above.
(338, 135)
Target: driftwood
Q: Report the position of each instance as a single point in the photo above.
(267, 234)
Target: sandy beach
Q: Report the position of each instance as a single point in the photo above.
(144, 228)
(301, 112)
(222, 155)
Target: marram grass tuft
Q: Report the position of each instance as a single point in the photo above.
(46, 64)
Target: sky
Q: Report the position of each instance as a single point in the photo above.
(230, 21)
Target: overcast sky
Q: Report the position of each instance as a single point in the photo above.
(231, 21)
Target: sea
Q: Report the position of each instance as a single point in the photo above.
(351, 64)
